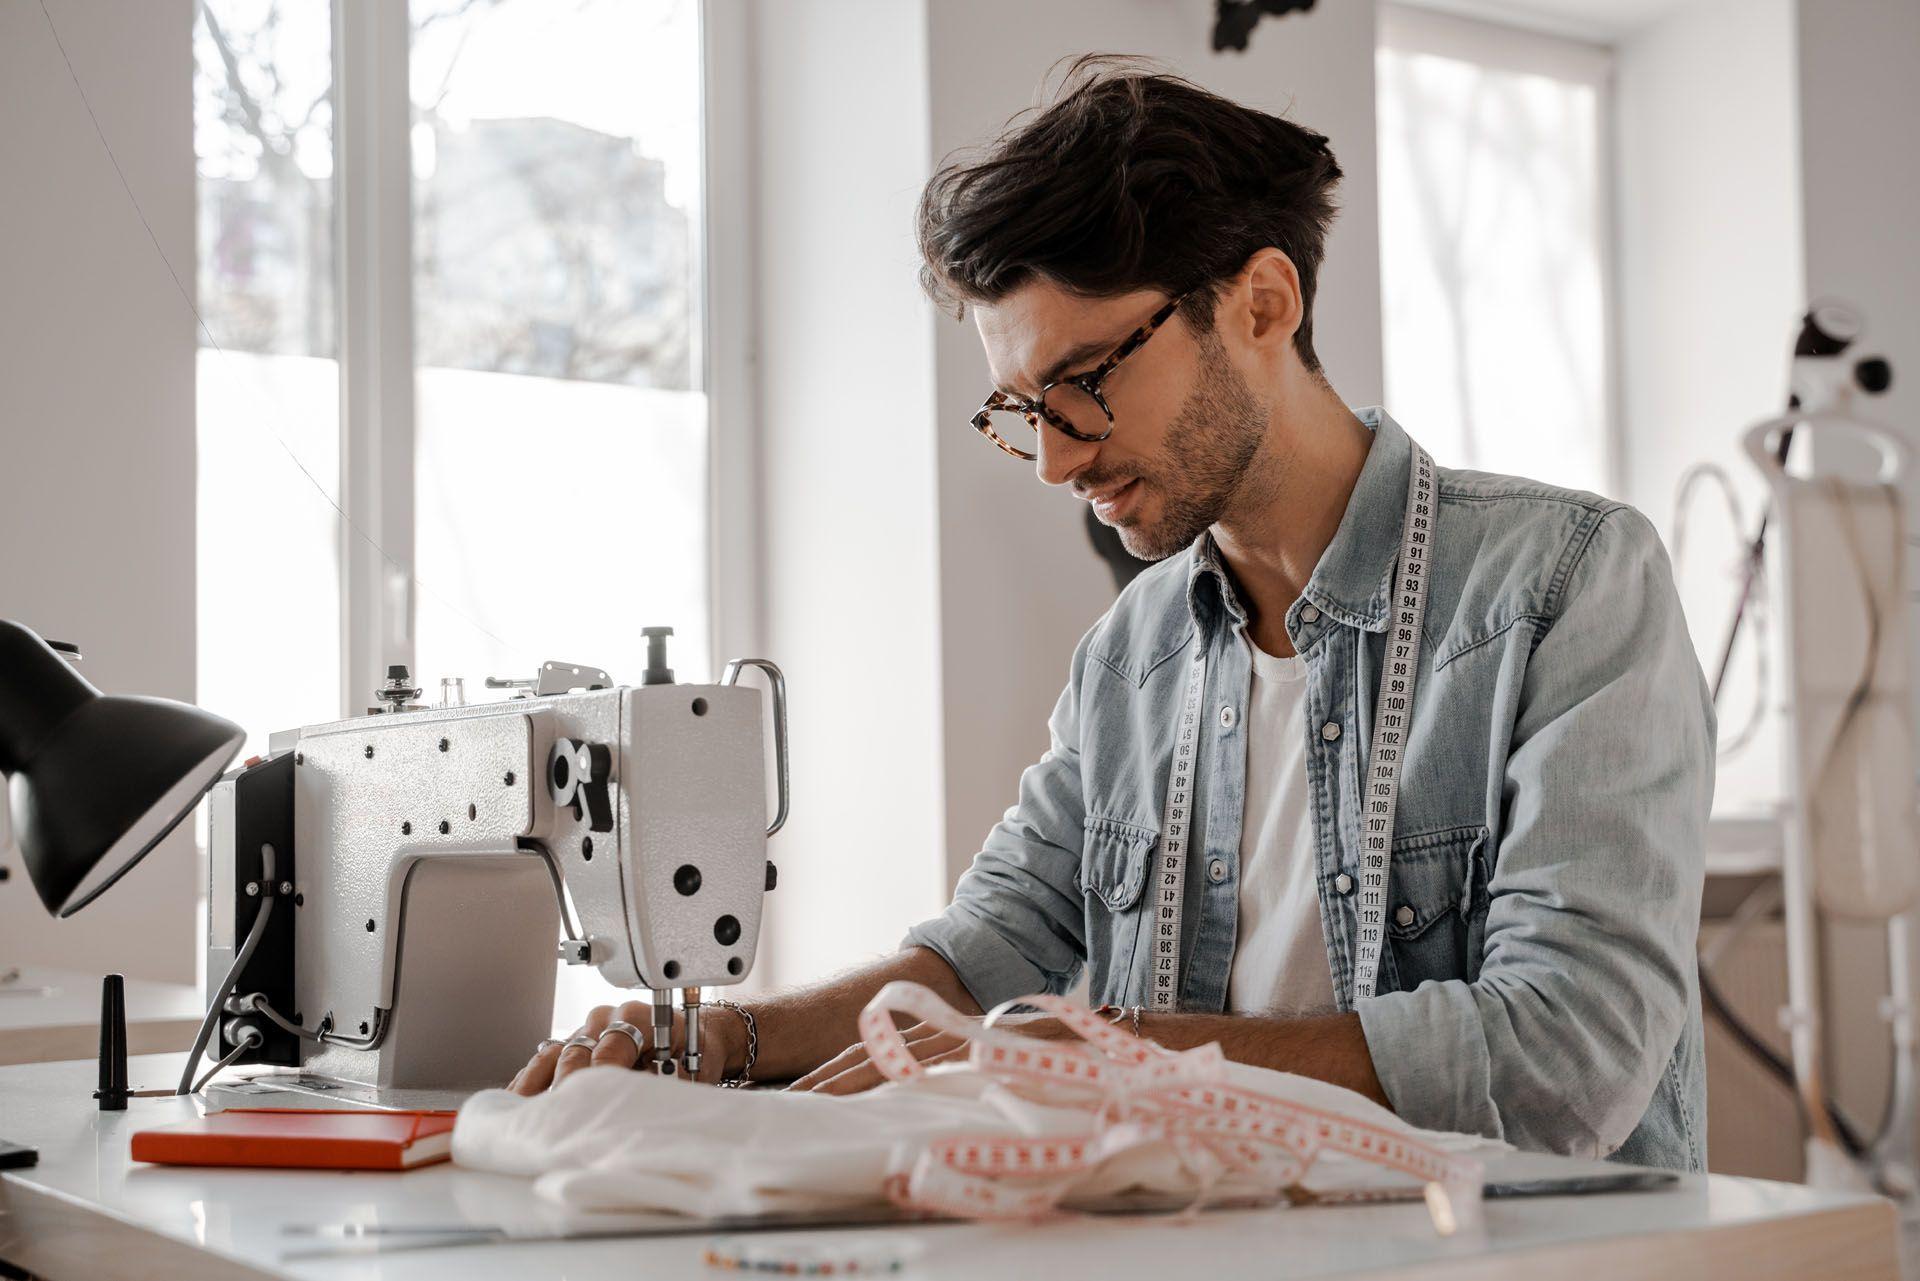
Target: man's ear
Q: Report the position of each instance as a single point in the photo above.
(1267, 302)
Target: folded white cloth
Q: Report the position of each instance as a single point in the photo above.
(611, 1140)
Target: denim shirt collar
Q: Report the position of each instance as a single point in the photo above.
(1353, 583)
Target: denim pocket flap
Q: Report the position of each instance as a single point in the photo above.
(1114, 863)
(1429, 878)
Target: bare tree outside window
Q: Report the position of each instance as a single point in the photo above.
(267, 378)
(543, 244)
(263, 134)
(556, 223)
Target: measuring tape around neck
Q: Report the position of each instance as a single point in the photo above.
(1170, 891)
(1392, 713)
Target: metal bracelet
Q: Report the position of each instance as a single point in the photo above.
(753, 1041)
(1135, 1013)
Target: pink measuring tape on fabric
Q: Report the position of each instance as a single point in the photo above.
(1140, 1094)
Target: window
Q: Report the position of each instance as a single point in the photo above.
(1493, 241)
(561, 429)
(458, 420)
(553, 394)
(268, 373)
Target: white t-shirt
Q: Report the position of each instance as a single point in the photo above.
(1280, 957)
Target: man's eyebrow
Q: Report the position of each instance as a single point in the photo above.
(1083, 354)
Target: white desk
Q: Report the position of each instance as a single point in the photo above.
(84, 1213)
(47, 1015)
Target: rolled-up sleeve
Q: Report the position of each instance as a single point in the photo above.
(1017, 923)
(1594, 897)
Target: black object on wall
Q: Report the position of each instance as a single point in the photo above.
(1235, 19)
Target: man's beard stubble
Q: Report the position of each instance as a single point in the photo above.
(1203, 460)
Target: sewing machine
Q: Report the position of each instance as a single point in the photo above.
(392, 886)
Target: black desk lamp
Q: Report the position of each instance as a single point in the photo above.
(95, 780)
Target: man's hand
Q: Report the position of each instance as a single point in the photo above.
(851, 1071)
(722, 1047)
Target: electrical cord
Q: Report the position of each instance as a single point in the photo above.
(1768, 1058)
(256, 1003)
(254, 935)
(249, 1039)
(1752, 600)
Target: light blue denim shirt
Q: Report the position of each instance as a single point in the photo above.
(1539, 981)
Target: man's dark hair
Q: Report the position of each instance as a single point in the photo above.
(1129, 179)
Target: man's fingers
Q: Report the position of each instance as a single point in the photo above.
(574, 1057)
(852, 1070)
(619, 1049)
(831, 1068)
(865, 1074)
(570, 1060)
(856, 1079)
(537, 1075)
(929, 1049)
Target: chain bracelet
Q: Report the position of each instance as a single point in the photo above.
(753, 1041)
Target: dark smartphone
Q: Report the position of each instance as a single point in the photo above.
(17, 1156)
(1581, 1185)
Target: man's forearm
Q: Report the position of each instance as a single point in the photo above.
(803, 1028)
(1330, 1047)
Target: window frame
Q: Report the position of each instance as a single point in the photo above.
(374, 290)
(1495, 45)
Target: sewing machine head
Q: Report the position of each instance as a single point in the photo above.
(420, 861)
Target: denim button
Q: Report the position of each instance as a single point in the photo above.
(1217, 870)
(1309, 614)
(1330, 731)
(1403, 915)
(1226, 718)
(1343, 884)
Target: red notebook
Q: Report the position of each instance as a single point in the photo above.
(302, 1138)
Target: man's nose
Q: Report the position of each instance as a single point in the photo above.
(1060, 456)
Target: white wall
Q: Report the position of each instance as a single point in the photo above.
(1019, 582)
(846, 391)
(1859, 78)
(96, 411)
(1711, 287)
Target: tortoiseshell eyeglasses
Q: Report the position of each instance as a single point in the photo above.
(1075, 404)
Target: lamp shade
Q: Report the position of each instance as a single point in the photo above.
(95, 780)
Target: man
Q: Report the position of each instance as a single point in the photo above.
(1140, 259)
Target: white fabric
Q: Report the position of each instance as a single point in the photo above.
(608, 1140)
(1280, 952)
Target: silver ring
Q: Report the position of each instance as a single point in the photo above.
(547, 1044)
(629, 1031)
(580, 1042)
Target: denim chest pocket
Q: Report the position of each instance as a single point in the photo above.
(1116, 857)
(1436, 904)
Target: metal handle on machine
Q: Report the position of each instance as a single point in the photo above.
(731, 676)
(1762, 442)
